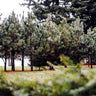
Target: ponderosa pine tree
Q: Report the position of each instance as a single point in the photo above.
(24, 40)
(30, 28)
(70, 38)
(52, 40)
(86, 10)
(88, 45)
(58, 9)
(46, 41)
(22, 45)
(4, 42)
(70, 9)
(13, 35)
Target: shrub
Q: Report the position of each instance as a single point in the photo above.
(65, 60)
(4, 88)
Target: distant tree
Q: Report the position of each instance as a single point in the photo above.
(86, 10)
(58, 9)
(70, 9)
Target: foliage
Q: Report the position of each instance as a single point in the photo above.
(70, 38)
(41, 42)
(86, 11)
(46, 41)
(12, 31)
(65, 60)
(4, 90)
(43, 7)
(51, 40)
(70, 9)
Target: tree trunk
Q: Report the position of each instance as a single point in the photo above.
(5, 62)
(91, 63)
(12, 60)
(9, 62)
(39, 66)
(31, 62)
(23, 60)
(65, 66)
(51, 68)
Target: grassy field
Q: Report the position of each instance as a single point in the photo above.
(61, 80)
(26, 68)
(24, 78)
(40, 76)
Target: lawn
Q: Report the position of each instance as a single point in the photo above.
(40, 76)
(26, 68)
(59, 81)
(30, 76)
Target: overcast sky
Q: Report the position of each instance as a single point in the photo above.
(7, 6)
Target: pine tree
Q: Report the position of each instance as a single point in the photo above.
(46, 38)
(86, 10)
(30, 28)
(4, 43)
(58, 9)
(12, 29)
(22, 46)
(70, 9)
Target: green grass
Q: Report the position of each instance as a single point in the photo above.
(26, 68)
(39, 76)
(30, 76)
(23, 79)
(48, 80)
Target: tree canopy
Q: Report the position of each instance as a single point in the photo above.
(70, 9)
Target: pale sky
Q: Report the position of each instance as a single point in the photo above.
(7, 6)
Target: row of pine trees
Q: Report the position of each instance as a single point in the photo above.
(15, 37)
(45, 41)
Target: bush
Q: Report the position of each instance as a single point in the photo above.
(4, 88)
(65, 60)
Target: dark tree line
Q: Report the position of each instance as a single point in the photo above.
(71, 9)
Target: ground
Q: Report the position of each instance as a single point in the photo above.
(39, 76)
(50, 82)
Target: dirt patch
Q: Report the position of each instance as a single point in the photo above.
(9, 71)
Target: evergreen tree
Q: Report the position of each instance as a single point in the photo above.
(87, 45)
(46, 43)
(71, 9)
(52, 40)
(58, 9)
(12, 29)
(23, 41)
(4, 42)
(86, 10)
(30, 28)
